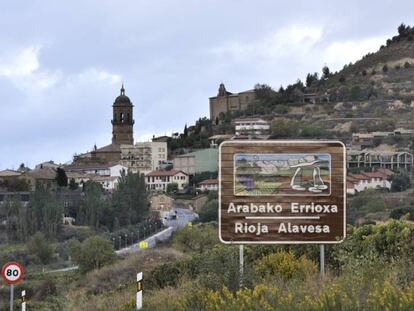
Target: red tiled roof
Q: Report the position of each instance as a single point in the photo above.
(359, 176)
(373, 174)
(349, 185)
(209, 182)
(164, 173)
(385, 171)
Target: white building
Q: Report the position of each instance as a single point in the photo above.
(144, 157)
(208, 184)
(368, 180)
(110, 169)
(251, 126)
(159, 180)
(108, 183)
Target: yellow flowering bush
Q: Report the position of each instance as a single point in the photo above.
(285, 265)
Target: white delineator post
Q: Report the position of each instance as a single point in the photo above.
(23, 300)
(139, 291)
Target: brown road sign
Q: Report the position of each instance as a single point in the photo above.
(282, 192)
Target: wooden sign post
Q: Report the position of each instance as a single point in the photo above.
(282, 192)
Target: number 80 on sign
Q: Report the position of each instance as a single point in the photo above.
(12, 272)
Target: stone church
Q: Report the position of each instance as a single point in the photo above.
(122, 133)
(226, 101)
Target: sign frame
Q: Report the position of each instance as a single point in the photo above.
(281, 242)
(4, 268)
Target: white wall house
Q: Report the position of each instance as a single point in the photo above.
(251, 126)
(367, 180)
(208, 184)
(113, 170)
(159, 180)
(108, 183)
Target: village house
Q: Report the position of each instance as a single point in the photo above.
(144, 157)
(208, 185)
(251, 126)
(108, 169)
(159, 180)
(204, 160)
(379, 179)
(161, 202)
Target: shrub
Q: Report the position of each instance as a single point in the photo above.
(164, 275)
(196, 238)
(40, 247)
(407, 65)
(209, 212)
(94, 253)
(284, 265)
(385, 68)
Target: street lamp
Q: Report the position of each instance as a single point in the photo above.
(126, 240)
(113, 241)
(120, 240)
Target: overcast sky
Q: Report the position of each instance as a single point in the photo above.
(62, 62)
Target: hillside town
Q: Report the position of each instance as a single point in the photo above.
(191, 170)
(85, 229)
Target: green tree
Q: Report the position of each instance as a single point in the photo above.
(94, 253)
(400, 182)
(61, 178)
(73, 185)
(311, 78)
(47, 212)
(285, 128)
(40, 247)
(172, 188)
(209, 212)
(92, 206)
(325, 72)
(130, 199)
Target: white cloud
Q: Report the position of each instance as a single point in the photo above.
(94, 75)
(295, 39)
(21, 64)
(25, 71)
(340, 53)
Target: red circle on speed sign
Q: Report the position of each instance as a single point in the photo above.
(12, 272)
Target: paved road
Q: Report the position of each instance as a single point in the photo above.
(184, 216)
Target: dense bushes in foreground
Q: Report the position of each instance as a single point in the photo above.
(372, 270)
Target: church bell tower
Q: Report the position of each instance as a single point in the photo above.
(123, 121)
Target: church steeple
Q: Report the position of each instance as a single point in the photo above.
(123, 120)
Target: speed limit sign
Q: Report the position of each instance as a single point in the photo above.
(12, 272)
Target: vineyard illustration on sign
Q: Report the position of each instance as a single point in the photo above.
(282, 174)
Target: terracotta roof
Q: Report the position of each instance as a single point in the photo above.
(385, 171)
(349, 185)
(42, 173)
(165, 173)
(373, 174)
(89, 166)
(9, 173)
(208, 182)
(108, 148)
(359, 176)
